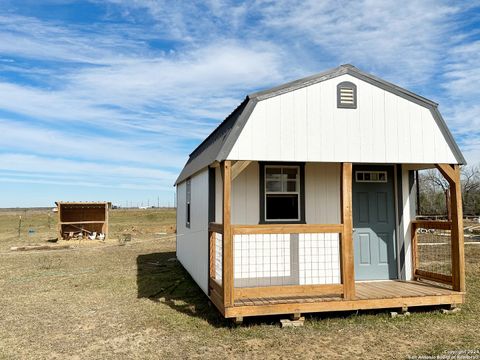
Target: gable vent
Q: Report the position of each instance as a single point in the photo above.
(347, 95)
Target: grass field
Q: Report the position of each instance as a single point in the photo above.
(104, 300)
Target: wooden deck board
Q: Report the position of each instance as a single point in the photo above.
(369, 295)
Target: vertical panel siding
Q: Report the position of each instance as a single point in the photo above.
(245, 196)
(192, 243)
(322, 193)
(391, 128)
(300, 124)
(306, 125)
(218, 196)
(313, 126)
(322, 188)
(408, 213)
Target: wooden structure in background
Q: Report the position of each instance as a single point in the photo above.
(84, 217)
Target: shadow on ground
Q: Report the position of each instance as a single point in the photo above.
(161, 278)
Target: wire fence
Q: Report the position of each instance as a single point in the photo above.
(286, 259)
(434, 251)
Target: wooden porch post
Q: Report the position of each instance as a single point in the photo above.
(452, 175)
(348, 278)
(227, 268)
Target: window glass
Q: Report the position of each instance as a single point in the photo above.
(282, 193)
(291, 173)
(371, 176)
(273, 173)
(292, 186)
(282, 207)
(274, 186)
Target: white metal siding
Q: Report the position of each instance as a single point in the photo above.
(192, 243)
(306, 125)
(408, 213)
(218, 196)
(245, 196)
(322, 193)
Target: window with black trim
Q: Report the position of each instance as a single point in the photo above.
(282, 193)
(188, 201)
(347, 95)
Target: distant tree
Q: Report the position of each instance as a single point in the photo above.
(471, 189)
(435, 191)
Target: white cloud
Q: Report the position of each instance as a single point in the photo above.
(461, 77)
(136, 87)
(84, 171)
(402, 41)
(27, 138)
(22, 36)
(100, 94)
(202, 76)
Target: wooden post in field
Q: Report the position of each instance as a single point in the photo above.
(347, 265)
(19, 226)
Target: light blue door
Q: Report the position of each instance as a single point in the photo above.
(374, 223)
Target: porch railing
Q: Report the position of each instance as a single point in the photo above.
(280, 260)
(432, 251)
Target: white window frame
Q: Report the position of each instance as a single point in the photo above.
(297, 192)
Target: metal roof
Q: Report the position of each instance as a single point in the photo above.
(219, 143)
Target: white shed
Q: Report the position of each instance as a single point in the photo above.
(302, 200)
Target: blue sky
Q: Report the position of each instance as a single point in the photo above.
(104, 100)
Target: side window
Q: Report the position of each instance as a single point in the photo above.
(347, 95)
(187, 205)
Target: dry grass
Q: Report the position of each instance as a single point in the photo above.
(102, 300)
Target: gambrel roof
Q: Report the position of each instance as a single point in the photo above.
(217, 146)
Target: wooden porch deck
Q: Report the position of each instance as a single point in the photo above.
(347, 294)
(369, 295)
